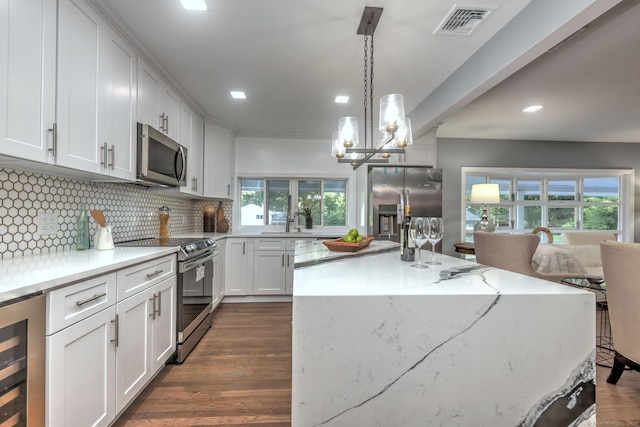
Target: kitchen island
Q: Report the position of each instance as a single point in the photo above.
(377, 342)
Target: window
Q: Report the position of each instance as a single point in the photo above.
(558, 200)
(325, 197)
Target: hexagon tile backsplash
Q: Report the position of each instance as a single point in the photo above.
(130, 209)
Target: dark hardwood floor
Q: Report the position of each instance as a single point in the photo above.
(240, 375)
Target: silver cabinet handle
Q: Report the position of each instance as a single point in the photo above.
(159, 303)
(112, 158)
(93, 298)
(228, 189)
(116, 339)
(283, 260)
(153, 307)
(243, 248)
(196, 189)
(155, 273)
(54, 145)
(288, 260)
(166, 126)
(103, 155)
(162, 120)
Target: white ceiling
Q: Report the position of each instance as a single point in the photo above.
(292, 57)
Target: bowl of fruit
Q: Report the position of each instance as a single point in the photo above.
(350, 242)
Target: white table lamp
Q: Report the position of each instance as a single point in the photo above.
(485, 193)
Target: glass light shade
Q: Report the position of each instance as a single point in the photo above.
(348, 131)
(383, 136)
(485, 193)
(391, 112)
(337, 147)
(404, 135)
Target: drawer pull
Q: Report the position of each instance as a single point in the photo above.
(155, 273)
(116, 339)
(93, 298)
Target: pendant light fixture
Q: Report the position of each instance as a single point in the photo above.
(394, 129)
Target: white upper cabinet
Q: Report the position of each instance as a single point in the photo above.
(27, 78)
(158, 105)
(120, 108)
(191, 136)
(80, 98)
(218, 158)
(96, 94)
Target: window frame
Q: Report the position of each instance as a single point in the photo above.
(299, 221)
(625, 203)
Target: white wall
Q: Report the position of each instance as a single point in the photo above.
(293, 158)
(281, 157)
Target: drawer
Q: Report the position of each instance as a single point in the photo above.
(270, 244)
(78, 301)
(134, 279)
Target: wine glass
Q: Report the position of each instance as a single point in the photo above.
(420, 228)
(436, 230)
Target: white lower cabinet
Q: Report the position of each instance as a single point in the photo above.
(146, 338)
(237, 266)
(218, 274)
(273, 262)
(103, 350)
(81, 370)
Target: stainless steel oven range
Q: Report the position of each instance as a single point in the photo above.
(195, 288)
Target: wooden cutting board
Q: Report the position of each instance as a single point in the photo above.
(222, 225)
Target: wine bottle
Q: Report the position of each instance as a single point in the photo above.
(408, 246)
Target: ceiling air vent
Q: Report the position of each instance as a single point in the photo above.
(462, 21)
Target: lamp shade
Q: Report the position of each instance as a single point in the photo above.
(337, 147)
(391, 112)
(348, 131)
(485, 193)
(404, 135)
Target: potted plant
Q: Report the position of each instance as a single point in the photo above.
(305, 209)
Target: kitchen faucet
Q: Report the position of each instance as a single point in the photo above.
(289, 219)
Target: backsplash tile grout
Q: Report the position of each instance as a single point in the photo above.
(130, 209)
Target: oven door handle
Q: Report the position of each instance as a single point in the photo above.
(188, 265)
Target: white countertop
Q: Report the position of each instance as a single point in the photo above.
(386, 274)
(44, 272)
(312, 252)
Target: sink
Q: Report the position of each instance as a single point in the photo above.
(286, 232)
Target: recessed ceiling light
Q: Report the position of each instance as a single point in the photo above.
(194, 4)
(342, 99)
(532, 108)
(238, 94)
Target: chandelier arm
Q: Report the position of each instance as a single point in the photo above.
(375, 151)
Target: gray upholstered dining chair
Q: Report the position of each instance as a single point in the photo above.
(621, 265)
(513, 252)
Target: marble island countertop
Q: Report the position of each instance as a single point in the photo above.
(377, 342)
(313, 252)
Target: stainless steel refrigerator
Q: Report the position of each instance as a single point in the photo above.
(385, 186)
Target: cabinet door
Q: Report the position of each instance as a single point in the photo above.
(27, 78)
(289, 272)
(269, 268)
(148, 95)
(236, 267)
(191, 136)
(196, 154)
(81, 373)
(170, 107)
(217, 155)
(133, 368)
(81, 97)
(120, 109)
(163, 322)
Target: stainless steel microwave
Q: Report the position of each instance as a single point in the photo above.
(161, 160)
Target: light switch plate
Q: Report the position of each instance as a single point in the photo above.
(47, 223)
